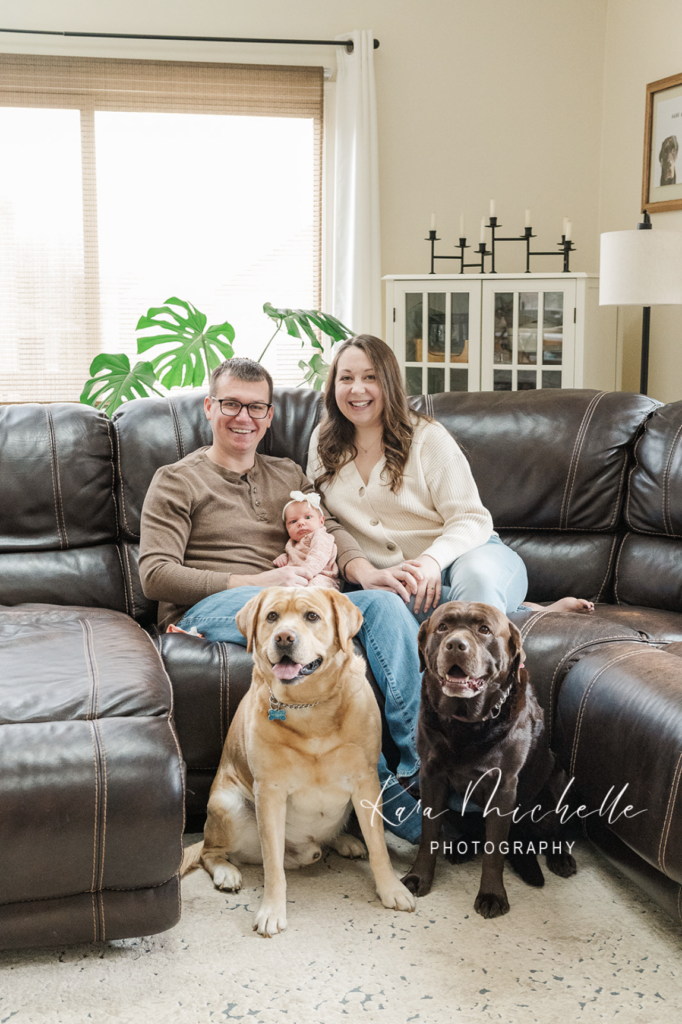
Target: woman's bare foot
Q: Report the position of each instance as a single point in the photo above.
(566, 604)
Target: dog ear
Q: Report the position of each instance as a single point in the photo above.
(347, 618)
(247, 619)
(421, 640)
(516, 654)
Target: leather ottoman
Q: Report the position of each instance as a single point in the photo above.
(91, 806)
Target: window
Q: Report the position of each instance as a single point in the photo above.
(127, 182)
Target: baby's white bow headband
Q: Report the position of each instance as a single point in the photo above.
(311, 498)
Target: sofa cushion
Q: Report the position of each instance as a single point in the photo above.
(91, 806)
(57, 473)
(566, 562)
(92, 577)
(649, 572)
(553, 641)
(618, 725)
(546, 460)
(58, 525)
(654, 502)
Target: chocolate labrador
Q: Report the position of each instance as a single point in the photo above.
(481, 731)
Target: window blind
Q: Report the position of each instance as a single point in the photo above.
(125, 182)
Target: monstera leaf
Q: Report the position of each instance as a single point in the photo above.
(112, 382)
(316, 372)
(196, 349)
(295, 320)
(306, 319)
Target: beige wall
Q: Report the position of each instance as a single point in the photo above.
(643, 40)
(476, 98)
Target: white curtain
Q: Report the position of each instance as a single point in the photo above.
(356, 272)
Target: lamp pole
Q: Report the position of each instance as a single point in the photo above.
(645, 225)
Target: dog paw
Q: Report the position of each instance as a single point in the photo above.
(348, 846)
(491, 904)
(563, 865)
(397, 897)
(227, 876)
(270, 921)
(416, 884)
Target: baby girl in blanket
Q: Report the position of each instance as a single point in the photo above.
(310, 548)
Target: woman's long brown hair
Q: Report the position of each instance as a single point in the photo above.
(336, 444)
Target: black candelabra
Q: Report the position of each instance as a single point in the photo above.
(565, 248)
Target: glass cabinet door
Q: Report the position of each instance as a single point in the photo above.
(528, 334)
(436, 337)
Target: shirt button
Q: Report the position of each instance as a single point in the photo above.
(361, 491)
(374, 522)
(391, 547)
(258, 503)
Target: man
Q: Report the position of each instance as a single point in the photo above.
(211, 527)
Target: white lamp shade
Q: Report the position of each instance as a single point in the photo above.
(640, 268)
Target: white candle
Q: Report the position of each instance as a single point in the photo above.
(433, 222)
(492, 207)
(482, 235)
(461, 226)
(563, 227)
(569, 228)
(527, 218)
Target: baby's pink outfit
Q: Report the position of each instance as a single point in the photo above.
(315, 557)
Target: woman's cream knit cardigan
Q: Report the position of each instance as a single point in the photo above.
(437, 511)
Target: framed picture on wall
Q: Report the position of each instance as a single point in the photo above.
(662, 178)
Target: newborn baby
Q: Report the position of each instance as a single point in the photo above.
(310, 548)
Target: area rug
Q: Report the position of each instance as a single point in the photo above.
(590, 948)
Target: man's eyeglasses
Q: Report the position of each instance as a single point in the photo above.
(229, 407)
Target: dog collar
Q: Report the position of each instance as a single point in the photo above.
(493, 713)
(278, 709)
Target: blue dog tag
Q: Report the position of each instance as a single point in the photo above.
(275, 715)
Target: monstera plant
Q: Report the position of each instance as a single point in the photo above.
(189, 351)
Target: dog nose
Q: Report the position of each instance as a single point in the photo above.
(285, 638)
(457, 643)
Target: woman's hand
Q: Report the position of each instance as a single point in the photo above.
(429, 587)
(401, 579)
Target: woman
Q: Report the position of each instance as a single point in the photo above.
(399, 483)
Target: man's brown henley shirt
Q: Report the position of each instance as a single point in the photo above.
(201, 522)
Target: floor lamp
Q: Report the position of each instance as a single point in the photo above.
(641, 268)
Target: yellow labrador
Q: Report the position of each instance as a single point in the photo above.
(302, 746)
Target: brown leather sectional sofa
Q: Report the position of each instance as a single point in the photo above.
(587, 486)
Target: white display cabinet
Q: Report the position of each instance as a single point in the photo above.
(501, 332)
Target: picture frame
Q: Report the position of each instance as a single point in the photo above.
(662, 174)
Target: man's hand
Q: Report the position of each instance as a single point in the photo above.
(401, 581)
(281, 560)
(287, 576)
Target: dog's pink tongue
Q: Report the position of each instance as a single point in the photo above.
(286, 670)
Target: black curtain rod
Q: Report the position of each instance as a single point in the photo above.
(187, 39)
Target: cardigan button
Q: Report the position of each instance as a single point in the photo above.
(361, 491)
(374, 522)
(391, 547)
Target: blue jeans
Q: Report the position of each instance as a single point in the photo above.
(492, 574)
(389, 636)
